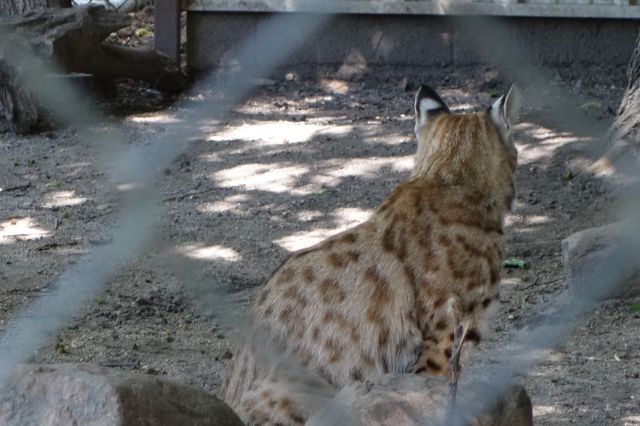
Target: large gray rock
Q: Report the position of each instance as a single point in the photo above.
(84, 394)
(595, 252)
(408, 400)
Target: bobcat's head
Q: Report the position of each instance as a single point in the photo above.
(472, 150)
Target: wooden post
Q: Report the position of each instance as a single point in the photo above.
(167, 28)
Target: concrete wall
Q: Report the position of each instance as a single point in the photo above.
(412, 40)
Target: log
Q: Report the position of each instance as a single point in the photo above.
(73, 39)
(19, 110)
(22, 7)
(624, 145)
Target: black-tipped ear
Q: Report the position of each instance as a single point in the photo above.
(428, 102)
(504, 111)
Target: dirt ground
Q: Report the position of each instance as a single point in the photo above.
(299, 161)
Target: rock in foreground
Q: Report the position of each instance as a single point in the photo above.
(410, 400)
(84, 394)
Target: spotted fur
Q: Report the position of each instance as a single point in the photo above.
(385, 295)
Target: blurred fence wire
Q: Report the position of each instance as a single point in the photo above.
(268, 49)
(83, 281)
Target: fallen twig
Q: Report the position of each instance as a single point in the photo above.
(115, 364)
(180, 197)
(16, 188)
(56, 245)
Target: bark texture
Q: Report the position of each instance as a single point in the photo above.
(73, 40)
(624, 147)
(627, 124)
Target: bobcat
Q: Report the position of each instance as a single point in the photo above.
(389, 294)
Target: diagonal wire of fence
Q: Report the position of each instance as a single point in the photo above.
(273, 42)
(83, 281)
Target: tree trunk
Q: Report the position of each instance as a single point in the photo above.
(73, 40)
(625, 133)
(627, 124)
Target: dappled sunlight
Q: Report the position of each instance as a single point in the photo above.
(344, 219)
(510, 281)
(229, 204)
(553, 414)
(339, 87)
(62, 199)
(511, 219)
(284, 177)
(215, 252)
(631, 420)
(332, 172)
(368, 167)
(521, 222)
(319, 99)
(537, 220)
(309, 215)
(463, 108)
(301, 240)
(268, 133)
(544, 410)
(381, 137)
(547, 142)
(264, 177)
(128, 186)
(261, 109)
(21, 229)
(348, 217)
(154, 119)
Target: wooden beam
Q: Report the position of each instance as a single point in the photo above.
(167, 28)
(616, 9)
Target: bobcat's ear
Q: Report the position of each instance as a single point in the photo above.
(427, 103)
(504, 111)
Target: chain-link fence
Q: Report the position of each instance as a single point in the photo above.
(88, 277)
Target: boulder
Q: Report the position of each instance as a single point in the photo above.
(85, 394)
(592, 251)
(407, 400)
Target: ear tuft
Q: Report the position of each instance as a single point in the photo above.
(427, 102)
(504, 111)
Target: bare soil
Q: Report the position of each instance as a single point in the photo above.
(298, 161)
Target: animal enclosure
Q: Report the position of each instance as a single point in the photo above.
(251, 166)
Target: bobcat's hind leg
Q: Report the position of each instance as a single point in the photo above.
(268, 404)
